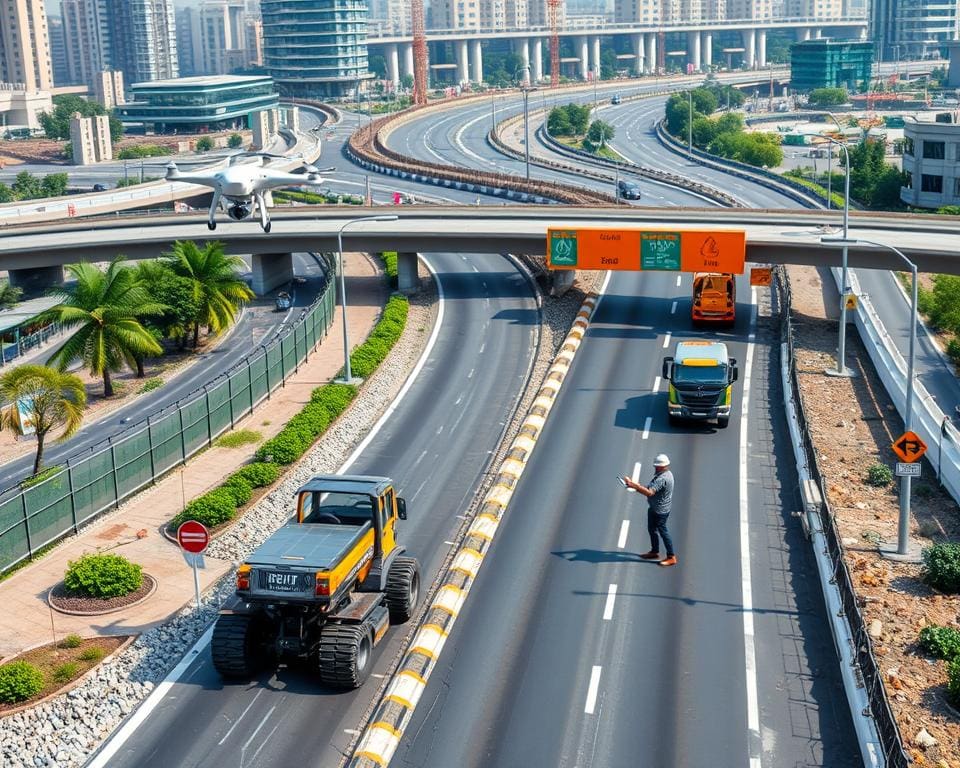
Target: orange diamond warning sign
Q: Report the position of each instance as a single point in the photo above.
(909, 447)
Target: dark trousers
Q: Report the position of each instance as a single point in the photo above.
(657, 524)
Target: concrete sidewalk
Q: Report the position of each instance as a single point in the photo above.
(27, 621)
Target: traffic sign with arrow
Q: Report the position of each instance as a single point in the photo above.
(909, 447)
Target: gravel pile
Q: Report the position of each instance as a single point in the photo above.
(64, 731)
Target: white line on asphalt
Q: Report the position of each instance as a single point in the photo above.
(678, 280)
(458, 140)
(646, 428)
(749, 639)
(611, 597)
(592, 691)
(656, 384)
(636, 472)
(666, 340)
(257, 729)
(263, 743)
(242, 715)
(673, 308)
(351, 731)
(470, 375)
(624, 530)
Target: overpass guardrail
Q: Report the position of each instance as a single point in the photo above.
(102, 478)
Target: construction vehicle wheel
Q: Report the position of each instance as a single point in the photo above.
(403, 588)
(723, 421)
(345, 654)
(237, 647)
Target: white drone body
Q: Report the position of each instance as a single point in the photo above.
(240, 187)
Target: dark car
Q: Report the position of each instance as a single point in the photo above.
(99, 187)
(629, 190)
(615, 99)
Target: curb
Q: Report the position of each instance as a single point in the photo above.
(381, 738)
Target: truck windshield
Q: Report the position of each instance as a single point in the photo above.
(348, 508)
(709, 375)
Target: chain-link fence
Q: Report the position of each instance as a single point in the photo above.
(101, 478)
(869, 671)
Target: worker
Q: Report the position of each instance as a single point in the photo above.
(659, 498)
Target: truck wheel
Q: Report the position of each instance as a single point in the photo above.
(723, 421)
(344, 654)
(403, 588)
(238, 647)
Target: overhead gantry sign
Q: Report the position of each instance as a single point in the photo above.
(691, 250)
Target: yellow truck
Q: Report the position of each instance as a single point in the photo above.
(701, 377)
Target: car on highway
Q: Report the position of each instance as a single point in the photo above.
(616, 99)
(99, 187)
(282, 301)
(628, 190)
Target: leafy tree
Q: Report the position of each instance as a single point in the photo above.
(216, 285)
(6, 194)
(56, 124)
(407, 81)
(204, 144)
(176, 294)
(26, 186)
(105, 308)
(608, 64)
(54, 184)
(729, 122)
(944, 308)
(579, 116)
(235, 141)
(558, 124)
(377, 64)
(9, 295)
(600, 132)
(827, 97)
(49, 398)
(705, 131)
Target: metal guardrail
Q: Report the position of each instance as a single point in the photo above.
(862, 651)
(104, 476)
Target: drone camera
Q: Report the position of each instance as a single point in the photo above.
(239, 211)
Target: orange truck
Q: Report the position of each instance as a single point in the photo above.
(714, 298)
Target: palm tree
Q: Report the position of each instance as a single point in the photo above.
(217, 288)
(105, 306)
(41, 399)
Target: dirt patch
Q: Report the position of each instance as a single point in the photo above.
(63, 600)
(853, 423)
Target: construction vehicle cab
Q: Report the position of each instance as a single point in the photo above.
(701, 380)
(324, 587)
(714, 298)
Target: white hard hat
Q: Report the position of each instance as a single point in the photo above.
(662, 460)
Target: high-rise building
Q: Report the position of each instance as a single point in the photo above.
(814, 9)
(86, 33)
(187, 20)
(392, 16)
(58, 52)
(143, 37)
(315, 48)
(911, 28)
(25, 45)
(254, 46)
(218, 37)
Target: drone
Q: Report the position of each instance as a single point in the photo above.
(241, 186)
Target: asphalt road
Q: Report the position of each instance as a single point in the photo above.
(255, 326)
(436, 446)
(544, 668)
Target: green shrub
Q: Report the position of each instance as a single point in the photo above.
(365, 358)
(204, 144)
(259, 474)
(941, 642)
(103, 575)
(212, 509)
(953, 682)
(953, 351)
(19, 681)
(334, 398)
(235, 141)
(151, 384)
(285, 448)
(879, 475)
(66, 672)
(43, 474)
(239, 488)
(941, 566)
(390, 266)
(239, 438)
(93, 653)
(71, 641)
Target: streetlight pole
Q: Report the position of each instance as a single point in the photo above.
(526, 118)
(347, 373)
(903, 523)
(690, 123)
(841, 369)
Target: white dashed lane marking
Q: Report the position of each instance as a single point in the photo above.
(624, 530)
(646, 428)
(592, 690)
(611, 598)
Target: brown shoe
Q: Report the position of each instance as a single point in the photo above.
(651, 555)
(672, 560)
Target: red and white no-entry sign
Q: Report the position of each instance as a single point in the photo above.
(193, 537)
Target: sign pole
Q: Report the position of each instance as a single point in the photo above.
(196, 580)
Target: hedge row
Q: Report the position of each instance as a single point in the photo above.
(365, 358)
(390, 266)
(220, 505)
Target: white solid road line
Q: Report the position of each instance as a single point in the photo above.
(749, 638)
(591, 704)
(666, 340)
(611, 597)
(646, 428)
(624, 530)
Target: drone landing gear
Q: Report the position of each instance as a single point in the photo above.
(267, 226)
(211, 225)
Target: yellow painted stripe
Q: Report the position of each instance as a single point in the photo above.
(398, 700)
(409, 672)
(386, 727)
(378, 759)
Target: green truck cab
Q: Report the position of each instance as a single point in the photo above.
(701, 377)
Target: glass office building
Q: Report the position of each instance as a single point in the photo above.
(315, 48)
(825, 63)
(197, 104)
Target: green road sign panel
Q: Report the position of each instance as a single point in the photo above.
(563, 248)
(660, 250)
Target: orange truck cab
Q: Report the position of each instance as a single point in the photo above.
(714, 297)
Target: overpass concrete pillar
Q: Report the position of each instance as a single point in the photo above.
(707, 50)
(393, 64)
(584, 58)
(476, 64)
(818, 33)
(639, 64)
(36, 281)
(651, 57)
(271, 270)
(750, 47)
(463, 70)
(803, 33)
(761, 48)
(693, 50)
(408, 278)
(407, 50)
(537, 59)
(522, 47)
(595, 55)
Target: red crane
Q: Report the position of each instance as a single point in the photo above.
(553, 10)
(419, 53)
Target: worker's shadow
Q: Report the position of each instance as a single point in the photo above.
(598, 556)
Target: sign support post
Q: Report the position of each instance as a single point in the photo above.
(193, 538)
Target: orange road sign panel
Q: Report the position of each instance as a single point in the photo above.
(851, 302)
(691, 250)
(761, 276)
(909, 447)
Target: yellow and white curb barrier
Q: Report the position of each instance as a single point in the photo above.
(392, 715)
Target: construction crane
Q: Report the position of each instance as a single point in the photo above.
(553, 11)
(419, 53)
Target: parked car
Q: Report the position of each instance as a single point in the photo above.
(615, 99)
(629, 190)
